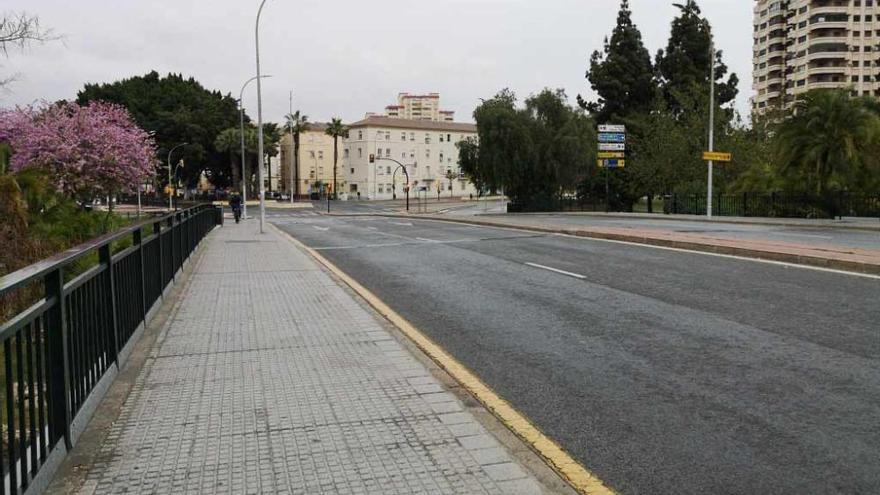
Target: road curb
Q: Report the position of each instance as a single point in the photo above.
(798, 259)
(581, 479)
(721, 220)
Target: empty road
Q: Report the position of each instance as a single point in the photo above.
(661, 371)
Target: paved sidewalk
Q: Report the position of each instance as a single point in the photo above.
(271, 378)
(829, 256)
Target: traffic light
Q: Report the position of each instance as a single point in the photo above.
(372, 158)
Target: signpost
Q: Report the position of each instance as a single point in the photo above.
(717, 156)
(612, 152)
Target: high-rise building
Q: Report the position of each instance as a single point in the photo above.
(801, 45)
(419, 107)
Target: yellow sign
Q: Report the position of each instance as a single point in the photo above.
(716, 156)
(612, 154)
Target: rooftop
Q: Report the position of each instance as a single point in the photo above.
(376, 121)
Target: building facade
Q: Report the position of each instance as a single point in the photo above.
(801, 45)
(419, 107)
(427, 149)
(315, 159)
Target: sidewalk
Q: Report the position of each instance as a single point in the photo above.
(271, 378)
(833, 257)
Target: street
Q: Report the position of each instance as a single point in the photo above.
(661, 371)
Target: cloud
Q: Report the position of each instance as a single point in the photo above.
(346, 57)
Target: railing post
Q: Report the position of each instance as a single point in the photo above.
(173, 232)
(58, 365)
(139, 242)
(105, 257)
(157, 230)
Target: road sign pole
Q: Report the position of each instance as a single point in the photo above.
(711, 128)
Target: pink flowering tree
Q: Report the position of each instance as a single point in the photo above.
(88, 151)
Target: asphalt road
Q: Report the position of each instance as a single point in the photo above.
(663, 372)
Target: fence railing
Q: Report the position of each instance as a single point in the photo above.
(59, 355)
(741, 205)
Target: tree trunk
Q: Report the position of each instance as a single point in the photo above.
(335, 157)
(235, 172)
(296, 166)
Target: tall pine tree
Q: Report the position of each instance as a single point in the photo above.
(621, 74)
(684, 67)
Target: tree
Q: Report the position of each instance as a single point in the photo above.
(229, 141)
(176, 110)
(829, 143)
(20, 30)
(336, 129)
(685, 66)
(621, 74)
(537, 153)
(271, 138)
(296, 124)
(88, 151)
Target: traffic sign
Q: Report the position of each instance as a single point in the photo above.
(612, 137)
(612, 147)
(612, 128)
(613, 163)
(717, 156)
(612, 154)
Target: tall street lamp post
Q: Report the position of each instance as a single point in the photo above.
(260, 119)
(170, 196)
(241, 134)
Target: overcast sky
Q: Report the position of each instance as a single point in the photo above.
(347, 57)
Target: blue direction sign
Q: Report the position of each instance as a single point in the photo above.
(612, 137)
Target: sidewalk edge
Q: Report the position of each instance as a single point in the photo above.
(560, 461)
(810, 261)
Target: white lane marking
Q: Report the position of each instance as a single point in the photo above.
(372, 228)
(323, 229)
(403, 224)
(557, 270)
(428, 240)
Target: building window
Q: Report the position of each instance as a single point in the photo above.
(320, 155)
(352, 170)
(388, 136)
(388, 152)
(441, 157)
(360, 153)
(403, 136)
(360, 135)
(441, 138)
(449, 137)
(311, 154)
(381, 189)
(387, 170)
(412, 136)
(345, 153)
(427, 138)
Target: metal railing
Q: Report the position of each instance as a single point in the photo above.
(58, 355)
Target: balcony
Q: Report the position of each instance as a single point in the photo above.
(828, 69)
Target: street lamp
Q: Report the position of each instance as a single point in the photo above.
(241, 132)
(170, 197)
(394, 175)
(260, 118)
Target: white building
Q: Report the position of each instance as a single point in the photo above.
(801, 45)
(419, 107)
(427, 149)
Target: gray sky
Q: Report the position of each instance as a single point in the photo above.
(347, 57)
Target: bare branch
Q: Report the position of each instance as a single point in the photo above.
(20, 30)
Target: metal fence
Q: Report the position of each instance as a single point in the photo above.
(740, 205)
(60, 354)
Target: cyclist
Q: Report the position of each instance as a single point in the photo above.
(235, 204)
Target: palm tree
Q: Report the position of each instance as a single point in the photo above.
(827, 139)
(229, 141)
(336, 129)
(296, 124)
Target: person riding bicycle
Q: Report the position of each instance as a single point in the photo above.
(235, 203)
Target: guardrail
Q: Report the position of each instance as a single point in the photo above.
(60, 355)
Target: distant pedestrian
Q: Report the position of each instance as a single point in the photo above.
(359, 195)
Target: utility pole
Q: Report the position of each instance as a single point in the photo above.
(260, 121)
(711, 126)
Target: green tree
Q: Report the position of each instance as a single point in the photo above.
(296, 123)
(621, 74)
(829, 143)
(176, 110)
(684, 67)
(336, 129)
(271, 138)
(229, 141)
(536, 154)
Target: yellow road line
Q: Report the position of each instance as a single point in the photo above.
(560, 461)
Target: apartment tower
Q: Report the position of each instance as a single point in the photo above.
(801, 45)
